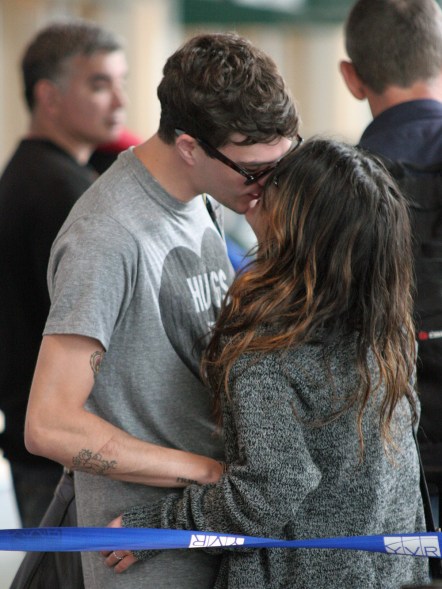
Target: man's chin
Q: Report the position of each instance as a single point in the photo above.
(244, 207)
(112, 133)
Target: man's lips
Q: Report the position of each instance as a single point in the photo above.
(254, 201)
(115, 121)
(254, 195)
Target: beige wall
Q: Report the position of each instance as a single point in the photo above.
(307, 56)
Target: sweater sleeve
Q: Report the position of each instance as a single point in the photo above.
(262, 489)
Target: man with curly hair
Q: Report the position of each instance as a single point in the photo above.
(137, 276)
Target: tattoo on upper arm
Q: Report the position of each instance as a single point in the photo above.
(95, 361)
(87, 461)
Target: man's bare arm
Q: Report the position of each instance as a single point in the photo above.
(60, 428)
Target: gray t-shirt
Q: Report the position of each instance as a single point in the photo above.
(145, 275)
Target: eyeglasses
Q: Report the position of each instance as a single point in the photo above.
(250, 178)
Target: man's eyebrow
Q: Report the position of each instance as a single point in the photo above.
(100, 77)
(257, 164)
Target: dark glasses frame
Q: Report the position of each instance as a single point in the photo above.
(249, 177)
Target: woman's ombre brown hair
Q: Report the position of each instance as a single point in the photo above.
(336, 259)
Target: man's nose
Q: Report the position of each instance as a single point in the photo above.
(261, 181)
(119, 97)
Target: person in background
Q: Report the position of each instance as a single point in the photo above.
(105, 154)
(311, 362)
(74, 76)
(395, 51)
(137, 275)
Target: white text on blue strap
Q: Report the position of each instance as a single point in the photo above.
(213, 541)
(427, 546)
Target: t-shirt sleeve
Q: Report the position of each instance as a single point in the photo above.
(50, 210)
(91, 273)
(261, 492)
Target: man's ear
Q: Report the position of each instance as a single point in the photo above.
(47, 96)
(352, 80)
(186, 145)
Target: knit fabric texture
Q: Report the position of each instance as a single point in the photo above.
(295, 471)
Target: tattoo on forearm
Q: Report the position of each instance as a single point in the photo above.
(186, 481)
(95, 361)
(87, 461)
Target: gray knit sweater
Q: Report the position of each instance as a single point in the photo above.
(293, 472)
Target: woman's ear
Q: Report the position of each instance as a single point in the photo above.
(352, 80)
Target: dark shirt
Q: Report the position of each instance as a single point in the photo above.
(412, 132)
(409, 132)
(38, 187)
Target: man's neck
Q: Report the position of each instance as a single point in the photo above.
(80, 151)
(165, 165)
(394, 95)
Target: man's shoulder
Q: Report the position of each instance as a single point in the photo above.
(121, 186)
(43, 161)
(36, 149)
(409, 132)
(117, 198)
(39, 177)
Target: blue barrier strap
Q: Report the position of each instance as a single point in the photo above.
(93, 539)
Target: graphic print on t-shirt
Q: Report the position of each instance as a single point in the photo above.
(191, 292)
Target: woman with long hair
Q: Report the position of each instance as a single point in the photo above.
(311, 363)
